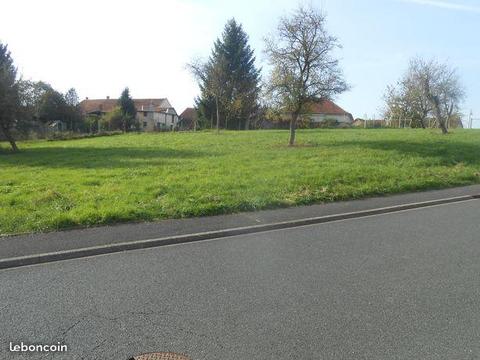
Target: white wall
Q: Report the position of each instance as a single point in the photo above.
(167, 121)
(156, 120)
(321, 117)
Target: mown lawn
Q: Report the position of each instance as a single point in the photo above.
(61, 184)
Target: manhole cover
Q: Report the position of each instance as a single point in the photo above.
(160, 356)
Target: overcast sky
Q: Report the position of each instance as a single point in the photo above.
(99, 47)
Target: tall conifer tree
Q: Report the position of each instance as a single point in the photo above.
(231, 78)
(9, 95)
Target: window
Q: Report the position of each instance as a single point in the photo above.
(145, 114)
(144, 124)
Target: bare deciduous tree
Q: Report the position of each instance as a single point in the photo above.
(441, 85)
(405, 101)
(303, 66)
(428, 88)
(211, 80)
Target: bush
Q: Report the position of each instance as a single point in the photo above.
(113, 120)
(324, 124)
(73, 136)
(328, 124)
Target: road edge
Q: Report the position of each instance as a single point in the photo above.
(216, 234)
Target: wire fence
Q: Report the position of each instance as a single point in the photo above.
(400, 123)
(473, 122)
(467, 122)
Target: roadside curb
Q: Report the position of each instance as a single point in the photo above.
(217, 234)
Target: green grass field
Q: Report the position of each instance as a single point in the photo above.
(61, 184)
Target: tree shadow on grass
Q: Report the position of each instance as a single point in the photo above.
(444, 152)
(91, 158)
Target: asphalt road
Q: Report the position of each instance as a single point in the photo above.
(397, 286)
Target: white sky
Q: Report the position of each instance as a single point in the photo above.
(99, 47)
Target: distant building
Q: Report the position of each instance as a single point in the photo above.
(188, 119)
(322, 110)
(152, 114)
(318, 112)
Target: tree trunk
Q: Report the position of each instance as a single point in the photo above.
(422, 123)
(438, 115)
(449, 116)
(247, 124)
(293, 126)
(218, 117)
(10, 139)
(441, 124)
(443, 127)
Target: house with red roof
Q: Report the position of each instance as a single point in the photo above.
(323, 110)
(152, 114)
(316, 112)
(188, 119)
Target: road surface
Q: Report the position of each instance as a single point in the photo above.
(404, 285)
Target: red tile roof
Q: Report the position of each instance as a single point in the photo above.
(326, 107)
(189, 114)
(106, 105)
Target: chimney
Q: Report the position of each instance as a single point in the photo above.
(108, 97)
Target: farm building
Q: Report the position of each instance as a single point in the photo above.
(327, 110)
(152, 114)
(319, 113)
(188, 119)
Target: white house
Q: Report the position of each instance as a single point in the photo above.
(156, 114)
(152, 114)
(327, 110)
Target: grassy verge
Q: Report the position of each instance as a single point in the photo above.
(56, 185)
